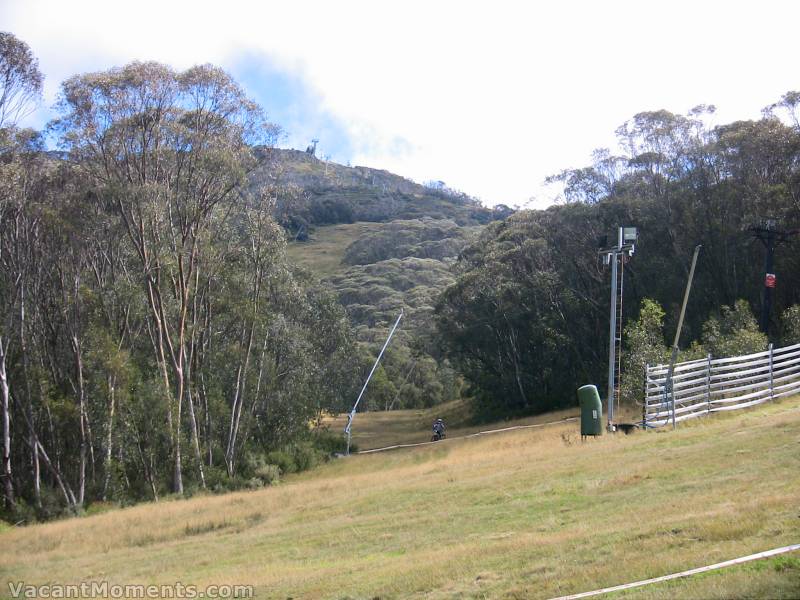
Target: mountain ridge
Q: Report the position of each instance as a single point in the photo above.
(333, 193)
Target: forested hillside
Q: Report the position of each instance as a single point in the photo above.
(382, 243)
(377, 270)
(527, 320)
(156, 338)
(182, 302)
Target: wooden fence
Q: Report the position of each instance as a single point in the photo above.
(718, 384)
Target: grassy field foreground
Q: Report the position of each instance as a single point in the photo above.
(526, 514)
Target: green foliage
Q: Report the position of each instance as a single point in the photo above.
(268, 474)
(513, 324)
(295, 457)
(218, 480)
(299, 455)
(331, 443)
(790, 325)
(526, 321)
(283, 460)
(644, 345)
(733, 333)
(154, 330)
(20, 79)
(413, 372)
(159, 332)
(381, 390)
(422, 238)
(406, 264)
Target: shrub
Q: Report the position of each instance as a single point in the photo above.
(734, 333)
(218, 481)
(268, 474)
(255, 483)
(645, 345)
(283, 460)
(331, 443)
(306, 456)
(22, 514)
(790, 325)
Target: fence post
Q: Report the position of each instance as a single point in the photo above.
(644, 403)
(771, 386)
(708, 384)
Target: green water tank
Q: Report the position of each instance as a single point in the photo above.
(591, 410)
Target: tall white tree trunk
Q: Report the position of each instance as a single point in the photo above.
(83, 418)
(112, 382)
(5, 473)
(23, 343)
(195, 436)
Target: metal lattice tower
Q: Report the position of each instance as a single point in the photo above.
(616, 256)
(618, 335)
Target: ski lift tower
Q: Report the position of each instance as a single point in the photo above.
(617, 256)
(767, 231)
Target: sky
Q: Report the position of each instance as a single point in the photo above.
(490, 97)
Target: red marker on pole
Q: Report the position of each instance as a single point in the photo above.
(769, 280)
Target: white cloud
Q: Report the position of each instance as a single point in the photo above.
(490, 97)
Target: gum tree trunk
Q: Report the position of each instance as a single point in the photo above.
(8, 484)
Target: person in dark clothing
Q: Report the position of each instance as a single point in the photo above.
(438, 429)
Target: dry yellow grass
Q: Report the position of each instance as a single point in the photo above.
(526, 514)
(386, 428)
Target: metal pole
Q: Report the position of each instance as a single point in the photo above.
(363, 389)
(644, 404)
(668, 384)
(620, 322)
(612, 343)
(766, 302)
(771, 373)
(708, 383)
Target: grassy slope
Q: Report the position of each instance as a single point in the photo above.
(323, 254)
(530, 513)
(380, 428)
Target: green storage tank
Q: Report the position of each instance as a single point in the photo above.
(591, 411)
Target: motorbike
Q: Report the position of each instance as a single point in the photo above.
(438, 435)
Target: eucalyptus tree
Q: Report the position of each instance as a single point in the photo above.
(33, 308)
(259, 245)
(16, 229)
(20, 90)
(681, 183)
(20, 80)
(170, 151)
